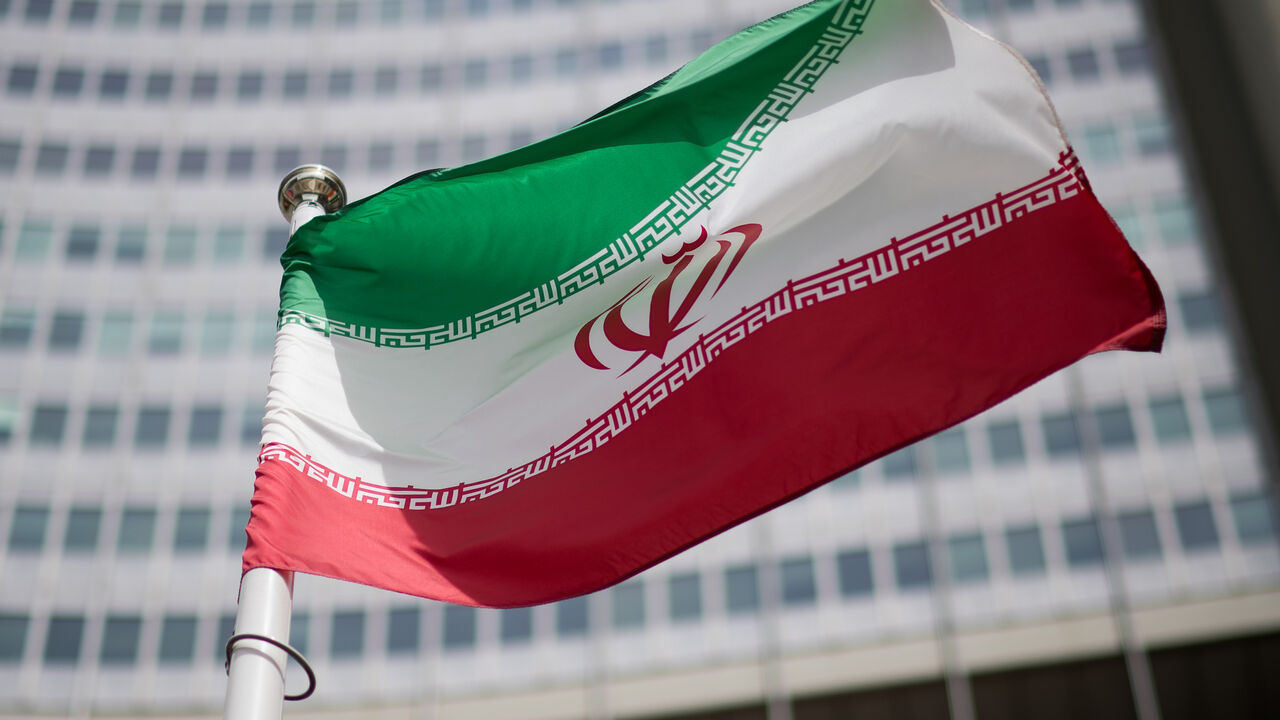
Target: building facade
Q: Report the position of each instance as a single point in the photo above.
(1114, 512)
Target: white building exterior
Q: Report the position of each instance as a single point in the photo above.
(141, 144)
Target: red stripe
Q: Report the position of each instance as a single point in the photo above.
(798, 402)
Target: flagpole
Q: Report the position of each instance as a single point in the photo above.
(256, 673)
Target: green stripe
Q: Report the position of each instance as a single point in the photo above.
(460, 251)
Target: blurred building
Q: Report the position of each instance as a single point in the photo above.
(1109, 527)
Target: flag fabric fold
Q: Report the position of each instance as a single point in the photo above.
(833, 234)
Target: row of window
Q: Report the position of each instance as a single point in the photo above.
(217, 15)
(114, 83)
(1106, 143)
(135, 530)
(120, 333)
(178, 245)
(152, 427)
(683, 595)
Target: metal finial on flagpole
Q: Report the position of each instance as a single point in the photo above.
(256, 669)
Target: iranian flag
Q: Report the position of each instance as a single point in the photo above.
(829, 236)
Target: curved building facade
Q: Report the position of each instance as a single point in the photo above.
(1114, 512)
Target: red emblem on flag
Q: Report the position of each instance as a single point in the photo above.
(669, 301)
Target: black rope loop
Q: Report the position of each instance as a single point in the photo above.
(297, 656)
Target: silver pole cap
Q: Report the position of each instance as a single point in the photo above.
(311, 183)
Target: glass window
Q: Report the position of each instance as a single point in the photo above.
(628, 604)
(386, 80)
(459, 627)
(566, 62)
(22, 79)
(264, 332)
(239, 161)
(475, 72)
(286, 159)
(521, 5)
(152, 431)
(473, 148)
(1060, 436)
(1102, 144)
(128, 14)
(1127, 218)
(431, 78)
(1175, 219)
(951, 451)
(27, 532)
(34, 240)
(180, 245)
(799, 586)
(68, 82)
(120, 641)
(1199, 309)
(1223, 406)
(295, 87)
(1083, 64)
(114, 84)
(1083, 543)
(342, 82)
(259, 14)
(214, 16)
(48, 423)
(206, 425)
(62, 643)
(1040, 63)
(1132, 56)
(609, 56)
(911, 566)
(178, 639)
(516, 625)
(404, 628)
(900, 465)
(8, 418)
(1115, 427)
(51, 158)
(99, 160)
(249, 85)
(82, 242)
(1153, 134)
(166, 333)
(854, 570)
(477, 8)
(137, 528)
(159, 85)
(1255, 519)
(968, 555)
(216, 334)
(236, 534)
(192, 533)
(192, 162)
(741, 589)
(10, 153)
(700, 40)
(13, 638)
(251, 425)
(146, 163)
(847, 481)
(1169, 418)
(16, 328)
(1026, 550)
(303, 14)
(432, 9)
(170, 15)
(228, 244)
(391, 11)
(427, 153)
(571, 617)
(100, 426)
(1138, 535)
(334, 156)
(117, 333)
(204, 85)
(685, 596)
(380, 157)
(346, 639)
(83, 525)
(227, 627)
(655, 49)
(1196, 528)
(347, 12)
(131, 244)
(83, 12)
(521, 68)
(66, 330)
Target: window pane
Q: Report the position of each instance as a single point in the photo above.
(571, 617)
(82, 242)
(51, 158)
(214, 16)
(1132, 57)
(385, 80)
(516, 625)
(259, 14)
(911, 566)
(228, 244)
(900, 465)
(83, 12)
(180, 245)
(120, 641)
(1115, 427)
(1040, 64)
(131, 244)
(685, 596)
(741, 589)
(192, 162)
(854, 569)
(951, 451)
(1153, 134)
(117, 333)
(236, 535)
(66, 330)
(1255, 519)
(404, 628)
(1225, 410)
(47, 424)
(459, 627)
(239, 161)
(13, 638)
(347, 637)
(62, 643)
(10, 152)
(83, 525)
(146, 163)
(1199, 310)
(226, 627)
(1175, 220)
(799, 587)
(1102, 144)
(22, 79)
(1060, 437)
(27, 532)
(34, 240)
(152, 430)
(1169, 418)
(206, 426)
(67, 82)
(341, 83)
(628, 604)
(295, 87)
(166, 333)
(114, 84)
(249, 85)
(137, 527)
(1083, 543)
(1083, 64)
(1196, 528)
(1139, 535)
(1026, 550)
(170, 14)
(286, 159)
(16, 328)
(968, 557)
(128, 13)
(8, 417)
(159, 85)
(192, 533)
(178, 639)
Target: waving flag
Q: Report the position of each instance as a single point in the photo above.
(829, 236)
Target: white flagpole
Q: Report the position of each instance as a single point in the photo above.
(255, 676)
